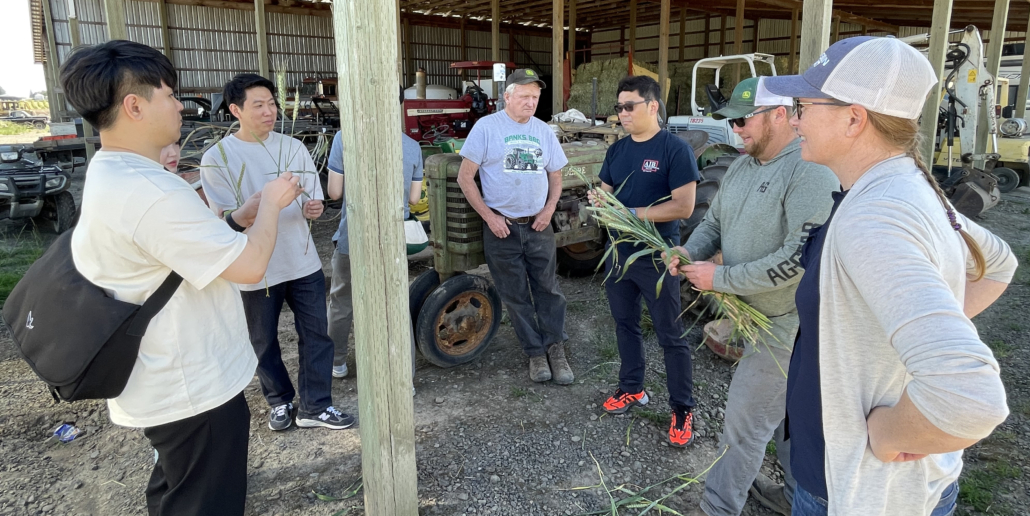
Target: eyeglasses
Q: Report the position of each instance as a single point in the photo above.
(798, 105)
(629, 106)
(739, 122)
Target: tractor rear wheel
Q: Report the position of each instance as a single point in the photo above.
(580, 259)
(457, 320)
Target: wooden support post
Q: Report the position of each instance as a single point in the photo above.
(836, 30)
(409, 63)
(663, 49)
(1021, 91)
(815, 31)
(722, 35)
(400, 46)
(557, 54)
(938, 48)
(633, 25)
(262, 38)
(1001, 10)
(708, 35)
(572, 34)
(76, 39)
(738, 36)
(51, 71)
(683, 34)
(865, 30)
(758, 35)
(114, 14)
(464, 41)
(495, 40)
(792, 62)
(511, 45)
(166, 40)
(381, 320)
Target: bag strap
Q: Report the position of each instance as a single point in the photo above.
(154, 304)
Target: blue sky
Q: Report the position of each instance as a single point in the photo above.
(18, 74)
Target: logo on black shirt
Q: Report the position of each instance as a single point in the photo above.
(650, 165)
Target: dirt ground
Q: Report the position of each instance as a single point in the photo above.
(489, 441)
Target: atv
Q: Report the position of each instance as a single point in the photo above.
(30, 189)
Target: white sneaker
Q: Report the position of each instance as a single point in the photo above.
(340, 371)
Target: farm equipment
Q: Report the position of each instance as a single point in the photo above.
(457, 314)
(31, 189)
(432, 120)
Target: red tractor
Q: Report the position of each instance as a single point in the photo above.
(432, 120)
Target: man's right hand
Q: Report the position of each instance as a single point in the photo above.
(498, 225)
(283, 190)
(673, 262)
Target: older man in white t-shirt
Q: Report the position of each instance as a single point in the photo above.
(236, 168)
(138, 224)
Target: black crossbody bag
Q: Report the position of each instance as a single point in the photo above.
(80, 341)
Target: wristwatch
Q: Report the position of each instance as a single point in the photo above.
(232, 222)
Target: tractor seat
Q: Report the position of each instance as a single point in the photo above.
(715, 98)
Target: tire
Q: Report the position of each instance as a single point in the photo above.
(39, 124)
(580, 259)
(509, 162)
(1008, 179)
(420, 289)
(58, 213)
(458, 320)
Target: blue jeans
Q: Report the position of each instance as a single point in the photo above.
(524, 269)
(306, 297)
(624, 295)
(807, 504)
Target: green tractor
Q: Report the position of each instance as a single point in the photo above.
(455, 314)
(522, 159)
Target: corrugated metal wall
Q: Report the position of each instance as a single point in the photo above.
(774, 38)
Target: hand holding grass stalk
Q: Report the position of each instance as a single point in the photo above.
(625, 227)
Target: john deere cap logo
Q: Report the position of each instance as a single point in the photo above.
(746, 94)
(529, 72)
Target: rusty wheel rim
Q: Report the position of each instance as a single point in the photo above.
(462, 326)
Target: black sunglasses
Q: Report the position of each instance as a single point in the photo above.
(629, 106)
(739, 122)
(798, 105)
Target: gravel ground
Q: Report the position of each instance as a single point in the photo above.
(489, 441)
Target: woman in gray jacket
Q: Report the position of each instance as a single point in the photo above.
(889, 380)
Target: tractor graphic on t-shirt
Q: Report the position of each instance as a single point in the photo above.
(522, 159)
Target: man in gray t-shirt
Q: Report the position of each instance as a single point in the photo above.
(519, 160)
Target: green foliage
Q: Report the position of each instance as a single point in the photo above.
(13, 264)
(977, 488)
(12, 129)
(1001, 348)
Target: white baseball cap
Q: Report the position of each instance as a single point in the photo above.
(883, 75)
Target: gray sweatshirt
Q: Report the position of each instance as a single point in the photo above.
(759, 219)
(892, 284)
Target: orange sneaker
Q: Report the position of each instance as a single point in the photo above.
(621, 402)
(681, 430)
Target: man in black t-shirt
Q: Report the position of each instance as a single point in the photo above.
(654, 174)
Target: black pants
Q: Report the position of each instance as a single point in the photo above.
(202, 463)
(523, 266)
(624, 296)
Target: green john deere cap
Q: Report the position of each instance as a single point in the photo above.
(524, 76)
(742, 102)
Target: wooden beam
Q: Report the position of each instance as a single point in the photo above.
(495, 31)
(792, 61)
(836, 29)
(1021, 91)
(399, 51)
(938, 49)
(166, 41)
(114, 15)
(262, 38)
(738, 36)
(633, 25)
(572, 33)
(54, 91)
(1001, 10)
(557, 51)
(464, 41)
(708, 35)
(622, 42)
(381, 320)
(511, 45)
(76, 39)
(758, 35)
(409, 62)
(815, 31)
(663, 49)
(722, 35)
(683, 33)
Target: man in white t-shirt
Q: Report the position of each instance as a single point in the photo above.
(138, 224)
(236, 168)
